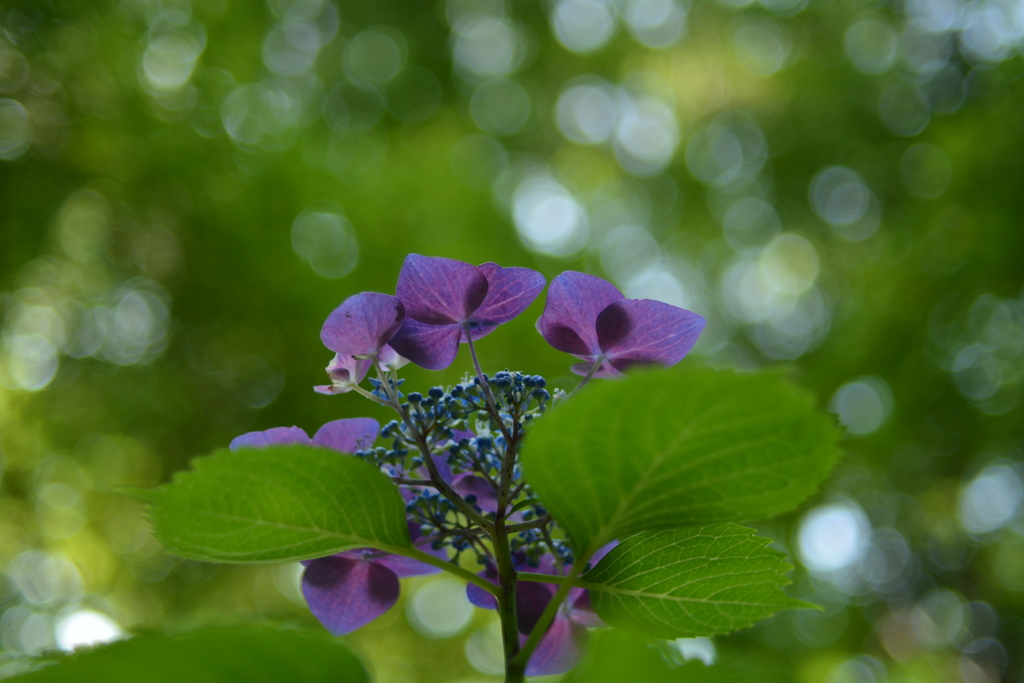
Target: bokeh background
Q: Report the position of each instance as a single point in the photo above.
(187, 189)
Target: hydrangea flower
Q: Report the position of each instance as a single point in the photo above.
(345, 372)
(591, 319)
(447, 302)
(362, 325)
(350, 589)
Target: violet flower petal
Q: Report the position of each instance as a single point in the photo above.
(278, 436)
(433, 347)
(531, 599)
(389, 359)
(471, 484)
(646, 331)
(345, 593)
(478, 596)
(439, 291)
(362, 324)
(406, 566)
(510, 291)
(581, 610)
(347, 435)
(560, 649)
(570, 313)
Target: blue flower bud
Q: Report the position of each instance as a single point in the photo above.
(415, 397)
(436, 393)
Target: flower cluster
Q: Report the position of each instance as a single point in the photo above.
(452, 452)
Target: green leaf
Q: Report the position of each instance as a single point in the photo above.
(675, 448)
(210, 655)
(276, 504)
(695, 581)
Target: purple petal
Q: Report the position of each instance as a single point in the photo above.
(510, 291)
(471, 484)
(646, 331)
(570, 313)
(433, 347)
(389, 358)
(345, 593)
(602, 552)
(443, 468)
(362, 324)
(581, 611)
(478, 596)
(479, 331)
(439, 291)
(348, 435)
(278, 436)
(606, 371)
(345, 372)
(406, 566)
(560, 649)
(531, 599)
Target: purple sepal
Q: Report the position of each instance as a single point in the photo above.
(345, 593)
(348, 435)
(601, 553)
(478, 596)
(363, 324)
(439, 291)
(433, 347)
(278, 436)
(560, 649)
(635, 331)
(580, 609)
(510, 291)
(570, 313)
(406, 566)
(390, 359)
(531, 600)
(471, 484)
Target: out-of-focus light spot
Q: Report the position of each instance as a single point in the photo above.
(735, 4)
(134, 326)
(169, 60)
(414, 95)
(655, 23)
(375, 55)
(871, 45)
(750, 222)
(658, 283)
(924, 52)
(863, 405)
(925, 170)
(786, 8)
(291, 48)
(486, 46)
(938, 618)
(83, 225)
(861, 669)
(484, 651)
(327, 242)
(793, 327)
(790, 264)
(476, 160)
(583, 25)
(762, 46)
(500, 106)
(977, 372)
(354, 107)
(25, 631)
(992, 499)
(548, 218)
(626, 250)
(646, 137)
(945, 90)
(587, 110)
(28, 362)
(834, 538)
(457, 10)
(935, 16)
(14, 68)
(758, 290)
(439, 608)
(692, 649)
(903, 109)
(987, 35)
(726, 150)
(15, 130)
(840, 197)
(83, 628)
(45, 578)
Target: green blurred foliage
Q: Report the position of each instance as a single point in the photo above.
(834, 185)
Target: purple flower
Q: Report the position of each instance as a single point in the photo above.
(444, 298)
(351, 589)
(346, 372)
(591, 319)
(363, 324)
(346, 436)
(564, 643)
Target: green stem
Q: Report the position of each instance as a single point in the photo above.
(590, 375)
(507, 581)
(446, 565)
